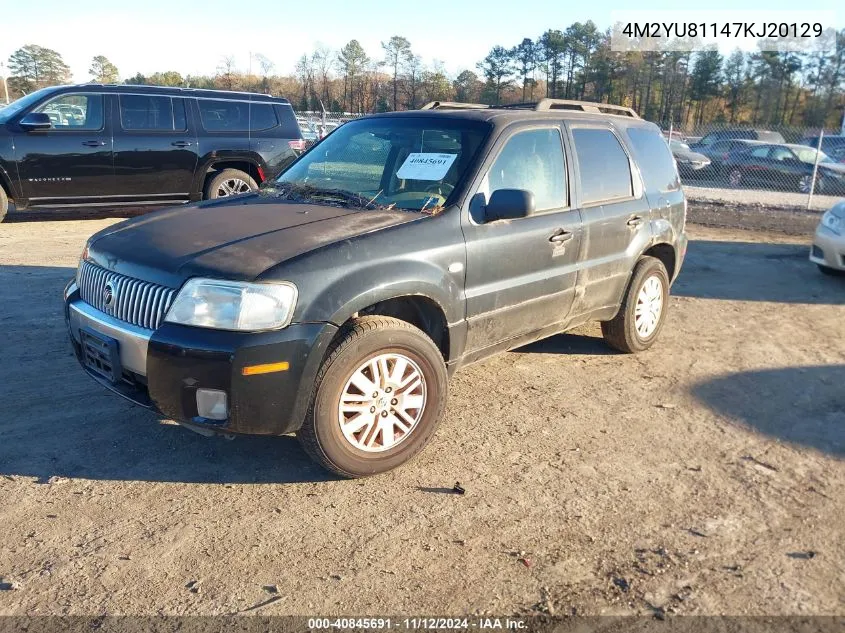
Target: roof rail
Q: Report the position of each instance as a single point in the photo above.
(584, 106)
(453, 105)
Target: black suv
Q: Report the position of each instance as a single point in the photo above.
(109, 145)
(336, 301)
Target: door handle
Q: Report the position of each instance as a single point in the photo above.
(93, 143)
(181, 143)
(560, 236)
(635, 220)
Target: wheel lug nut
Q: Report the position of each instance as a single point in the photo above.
(394, 401)
(384, 414)
(388, 390)
(375, 395)
(372, 409)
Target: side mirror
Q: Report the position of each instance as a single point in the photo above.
(509, 204)
(36, 121)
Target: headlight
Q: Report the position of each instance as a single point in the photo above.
(832, 222)
(233, 305)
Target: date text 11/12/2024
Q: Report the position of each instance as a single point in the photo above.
(414, 624)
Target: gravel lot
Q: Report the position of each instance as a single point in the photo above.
(703, 477)
(703, 191)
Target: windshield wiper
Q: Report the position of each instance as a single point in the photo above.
(291, 191)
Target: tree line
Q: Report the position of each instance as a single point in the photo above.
(688, 89)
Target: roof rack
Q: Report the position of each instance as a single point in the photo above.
(453, 105)
(543, 105)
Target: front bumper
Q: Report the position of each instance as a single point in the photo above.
(164, 368)
(828, 249)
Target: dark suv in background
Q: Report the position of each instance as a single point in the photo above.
(109, 145)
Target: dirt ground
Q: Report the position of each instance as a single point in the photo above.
(702, 477)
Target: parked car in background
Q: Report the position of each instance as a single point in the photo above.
(833, 145)
(689, 163)
(828, 250)
(747, 134)
(720, 151)
(785, 168)
(112, 145)
(336, 301)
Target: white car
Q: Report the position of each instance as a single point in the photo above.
(828, 250)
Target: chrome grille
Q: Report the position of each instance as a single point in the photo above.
(137, 302)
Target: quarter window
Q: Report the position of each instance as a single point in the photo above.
(75, 112)
(152, 112)
(532, 160)
(655, 159)
(602, 165)
(262, 117)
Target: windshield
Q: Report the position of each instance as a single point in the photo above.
(677, 145)
(386, 162)
(809, 156)
(7, 112)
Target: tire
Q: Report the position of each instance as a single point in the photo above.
(623, 332)
(232, 180)
(4, 203)
(735, 177)
(365, 339)
(827, 270)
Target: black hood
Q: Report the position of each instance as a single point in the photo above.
(235, 239)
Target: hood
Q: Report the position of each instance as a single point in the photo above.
(836, 168)
(235, 239)
(682, 154)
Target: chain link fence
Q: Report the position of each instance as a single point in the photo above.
(760, 166)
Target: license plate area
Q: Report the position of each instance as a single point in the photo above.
(100, 355)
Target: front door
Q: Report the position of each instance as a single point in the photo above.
(73, 159)
(521, 274)
(155, 146)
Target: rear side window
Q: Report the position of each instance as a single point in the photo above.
(289, 125)
(760, 152)
(655, 159)
(602, 165)
(262, 117)
(224, 116)
(152, 112)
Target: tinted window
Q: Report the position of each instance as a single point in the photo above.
(151, 112)
(75, 112)
(262, 117)
(532, 160)
(781, 153)
(290, 126)
(655, 160)
(602, 164)
(224, 116)
(760, 152)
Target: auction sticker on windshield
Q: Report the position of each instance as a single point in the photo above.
(426, 166)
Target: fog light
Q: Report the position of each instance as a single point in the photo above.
(211, 404)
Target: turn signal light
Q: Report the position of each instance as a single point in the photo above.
(268, 368)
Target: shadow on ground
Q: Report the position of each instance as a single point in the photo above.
(570, 345)
(748, 271)
(56, 421)
(816, 417)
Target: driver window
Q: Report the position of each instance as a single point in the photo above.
(531, 160)
(75, 112)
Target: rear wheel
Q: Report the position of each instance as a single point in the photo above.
(643, 312)
(4, 203)
(378, 399)
(229, 182)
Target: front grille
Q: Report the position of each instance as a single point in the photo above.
(137, 302)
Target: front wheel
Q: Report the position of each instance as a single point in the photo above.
(378, 399)
(735, 177)
(643, 312)
(4, 203)
(229, 182)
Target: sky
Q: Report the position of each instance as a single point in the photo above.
(192, 37)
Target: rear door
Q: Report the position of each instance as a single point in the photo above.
(521, 274)
(614, 212)
(73, 159)
(155, 146)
